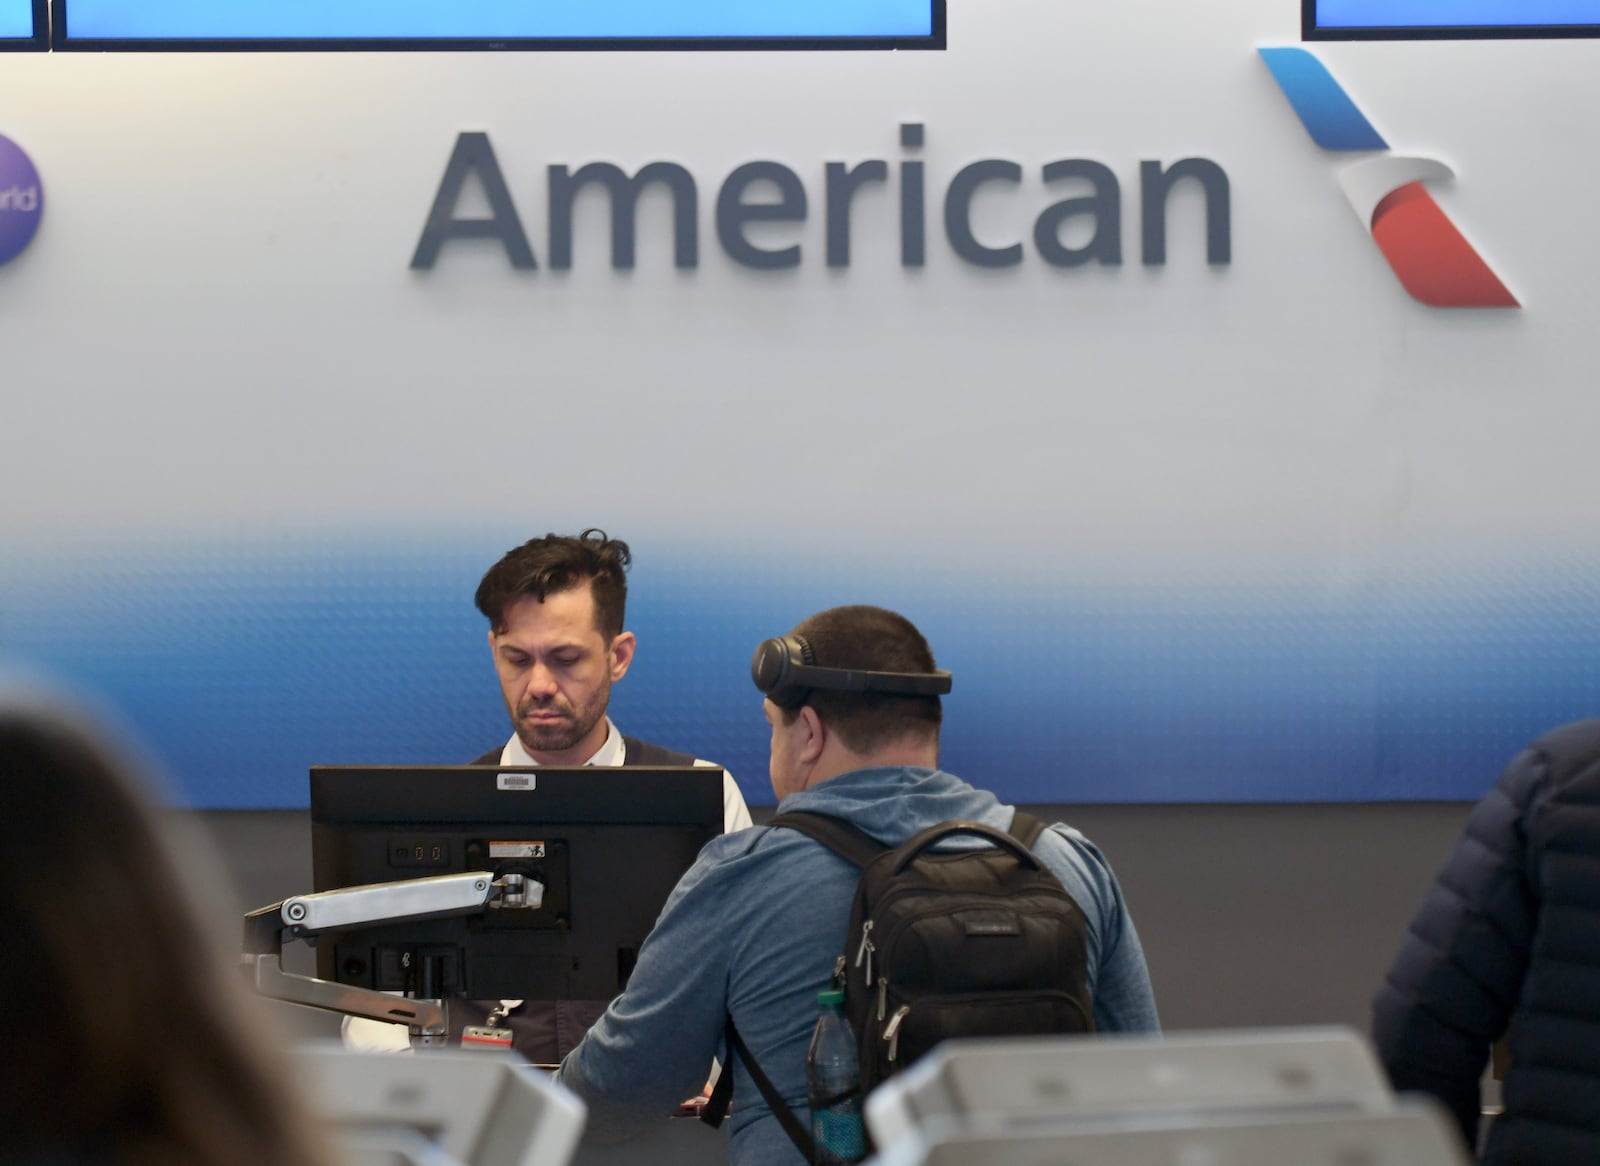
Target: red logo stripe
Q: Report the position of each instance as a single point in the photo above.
(1431, 258)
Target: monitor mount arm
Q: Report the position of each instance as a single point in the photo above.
(425, 1016)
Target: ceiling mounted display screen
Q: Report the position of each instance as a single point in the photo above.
(1446, 19)
(497, 24)
(22, 24)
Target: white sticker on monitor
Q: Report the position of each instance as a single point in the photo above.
(515, 780)
(516, 849)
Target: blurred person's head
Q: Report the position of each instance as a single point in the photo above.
(132, 1039)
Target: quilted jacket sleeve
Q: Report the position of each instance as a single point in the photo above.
(1455, 981)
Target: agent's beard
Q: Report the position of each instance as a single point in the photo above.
(571, 727)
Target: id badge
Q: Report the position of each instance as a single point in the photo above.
(486, 1038)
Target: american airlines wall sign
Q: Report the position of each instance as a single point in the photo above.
(1093, 224)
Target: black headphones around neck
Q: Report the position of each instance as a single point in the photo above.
(786, 670)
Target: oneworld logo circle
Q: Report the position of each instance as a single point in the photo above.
(21, 200)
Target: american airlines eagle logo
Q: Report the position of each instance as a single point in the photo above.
(1427, 252)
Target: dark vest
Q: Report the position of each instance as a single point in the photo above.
(634, 752)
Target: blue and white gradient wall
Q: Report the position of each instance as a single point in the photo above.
(1264, 530)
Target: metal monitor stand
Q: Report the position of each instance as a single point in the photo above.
(426, 1016)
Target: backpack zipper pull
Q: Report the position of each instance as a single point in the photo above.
(891, 1032)
(864, 952)
(883, 997)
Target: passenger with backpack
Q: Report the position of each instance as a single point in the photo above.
(982, 922)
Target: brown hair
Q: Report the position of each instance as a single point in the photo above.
(878, 640)
(130, 1042)
(557, 563)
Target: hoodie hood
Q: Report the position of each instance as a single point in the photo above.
(895, 802)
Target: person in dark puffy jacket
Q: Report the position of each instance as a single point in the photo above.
(1507, 942)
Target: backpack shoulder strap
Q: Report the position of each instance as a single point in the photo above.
(1025, 828)
(856, 846)
(716, 1107)
(848, 841)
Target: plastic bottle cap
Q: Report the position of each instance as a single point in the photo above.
(831, 996)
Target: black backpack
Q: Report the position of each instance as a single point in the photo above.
(981, 942)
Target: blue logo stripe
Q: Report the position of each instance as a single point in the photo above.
(1324, 107)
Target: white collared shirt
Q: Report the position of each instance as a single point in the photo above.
(610, 752)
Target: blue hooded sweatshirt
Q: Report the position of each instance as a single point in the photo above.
(754, 928)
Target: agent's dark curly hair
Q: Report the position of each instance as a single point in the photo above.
(556, 563)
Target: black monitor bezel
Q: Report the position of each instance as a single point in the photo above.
(1311, 31)
(60, 41)
(685, 803)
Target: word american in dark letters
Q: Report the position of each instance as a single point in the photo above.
(1100, 209)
